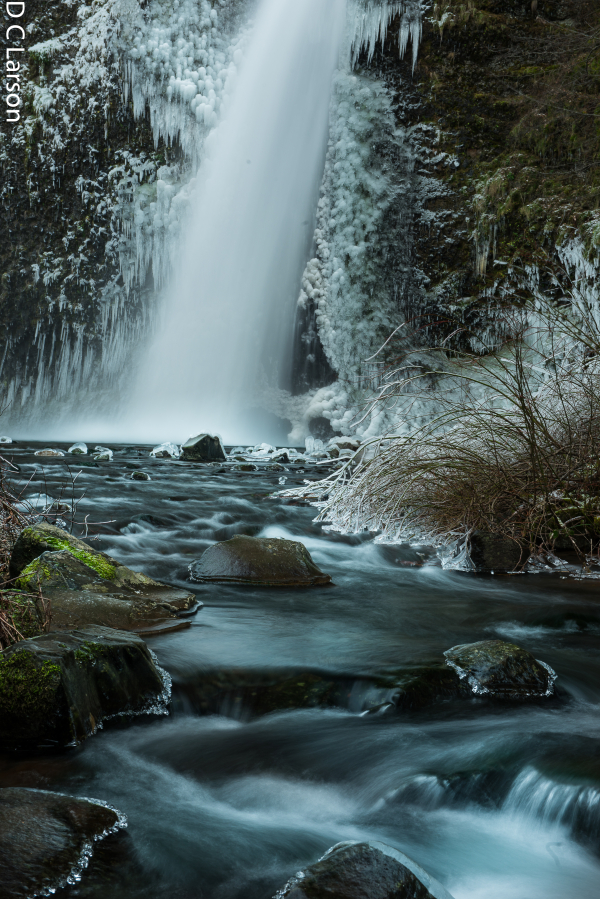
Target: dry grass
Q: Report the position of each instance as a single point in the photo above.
(514, 448)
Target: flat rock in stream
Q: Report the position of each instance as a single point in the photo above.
(45, 838)
(499, 669)
(85, 586)
(259, 561)
(370, 870)
(57, 689)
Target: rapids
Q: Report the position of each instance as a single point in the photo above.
(495, 801)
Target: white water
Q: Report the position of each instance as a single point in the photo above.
(227, 316)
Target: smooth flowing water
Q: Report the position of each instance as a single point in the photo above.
(228, 316)
(495, 800)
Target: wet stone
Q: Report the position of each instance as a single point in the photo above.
(499, 669)
(203, 448)
(493, 552)
(46, 838)
(55, 690)
(85, 586)
(260, 561)
(370, 870)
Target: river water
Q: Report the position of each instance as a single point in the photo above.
(496, 801)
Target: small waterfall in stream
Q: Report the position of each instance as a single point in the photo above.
(227, 317)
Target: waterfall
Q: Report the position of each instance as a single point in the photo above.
(227, 316)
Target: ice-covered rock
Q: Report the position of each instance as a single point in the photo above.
(78, 449)
(49, 452)
(46, 839)
(499, 669)
(103, 454)
(360, 870)
(166, 451)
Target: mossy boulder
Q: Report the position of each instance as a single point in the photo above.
(499, 669)
(259, 561)
(57, 689)
(47, 837)
(203, 448)
(118, 579)
(370, 870)
(79, 597)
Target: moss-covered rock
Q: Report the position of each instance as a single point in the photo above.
(44, 537)
(80, 597)
(364, 871)
(45, 837)
(55, 690)
(503, 670)
(259, 561)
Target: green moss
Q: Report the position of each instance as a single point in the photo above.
(27, 688)
(93, 560)
(91, 652)
(33, 575)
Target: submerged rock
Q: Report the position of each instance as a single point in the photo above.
(496, 668)
(46, 838)
(203, 448)
(368, 870)
(260, 561)
(57, 689)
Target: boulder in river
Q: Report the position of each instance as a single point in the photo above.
(46, 839)
(80, 597)
(259, 561)
(85, 586)
(203, 448)
(57, 689)
(499, 669)
(44, 537)
(369, 870)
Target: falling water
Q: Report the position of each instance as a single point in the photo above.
(227, 316)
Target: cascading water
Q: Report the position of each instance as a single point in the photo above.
(227, 318)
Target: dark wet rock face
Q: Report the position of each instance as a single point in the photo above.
(45, 837)
(496, 668)
(56, 689)
(87, 587)
(203, 448)
(493, 552)
(260, 561)
(363, 871)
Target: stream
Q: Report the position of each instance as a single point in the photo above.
(497, 801)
